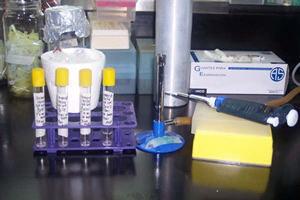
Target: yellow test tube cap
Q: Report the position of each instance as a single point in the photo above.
(62, 77)
(38, 77)
(109, 76)
(85, 77)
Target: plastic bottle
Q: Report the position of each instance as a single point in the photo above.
(108, 105)
(62, 81)
(38, 82)
(85, 106)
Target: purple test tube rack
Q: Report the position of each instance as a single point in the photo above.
(123, 136)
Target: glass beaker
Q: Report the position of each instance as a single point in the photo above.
(67, 40)
(67, 33)
(22, 21)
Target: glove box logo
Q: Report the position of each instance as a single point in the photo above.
(277, 74)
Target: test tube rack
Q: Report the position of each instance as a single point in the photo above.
(123, 139)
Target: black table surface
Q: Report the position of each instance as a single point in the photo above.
(141, 175)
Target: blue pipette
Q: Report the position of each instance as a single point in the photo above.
(248, 110)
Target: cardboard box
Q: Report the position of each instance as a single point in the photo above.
(262, 73)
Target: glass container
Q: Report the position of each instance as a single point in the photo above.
(69, 32)
(85, 83)
(108, 105)
(22, 21)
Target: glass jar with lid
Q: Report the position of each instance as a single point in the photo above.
(23, 22)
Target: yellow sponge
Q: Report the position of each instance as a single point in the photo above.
(224, 138)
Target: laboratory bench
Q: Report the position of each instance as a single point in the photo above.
(138, 175)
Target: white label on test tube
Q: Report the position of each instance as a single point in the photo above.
(85, 113)
(39, 113)
(62, 113)
(108, 104)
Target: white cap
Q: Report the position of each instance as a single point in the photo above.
(292, 118)
(273, 120)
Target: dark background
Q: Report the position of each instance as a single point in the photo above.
(251, 28)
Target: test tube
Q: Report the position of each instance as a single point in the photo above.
(108, 105)
(85, 106)
(38, 82)
(62, 81)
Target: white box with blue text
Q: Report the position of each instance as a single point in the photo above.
(238, 72)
